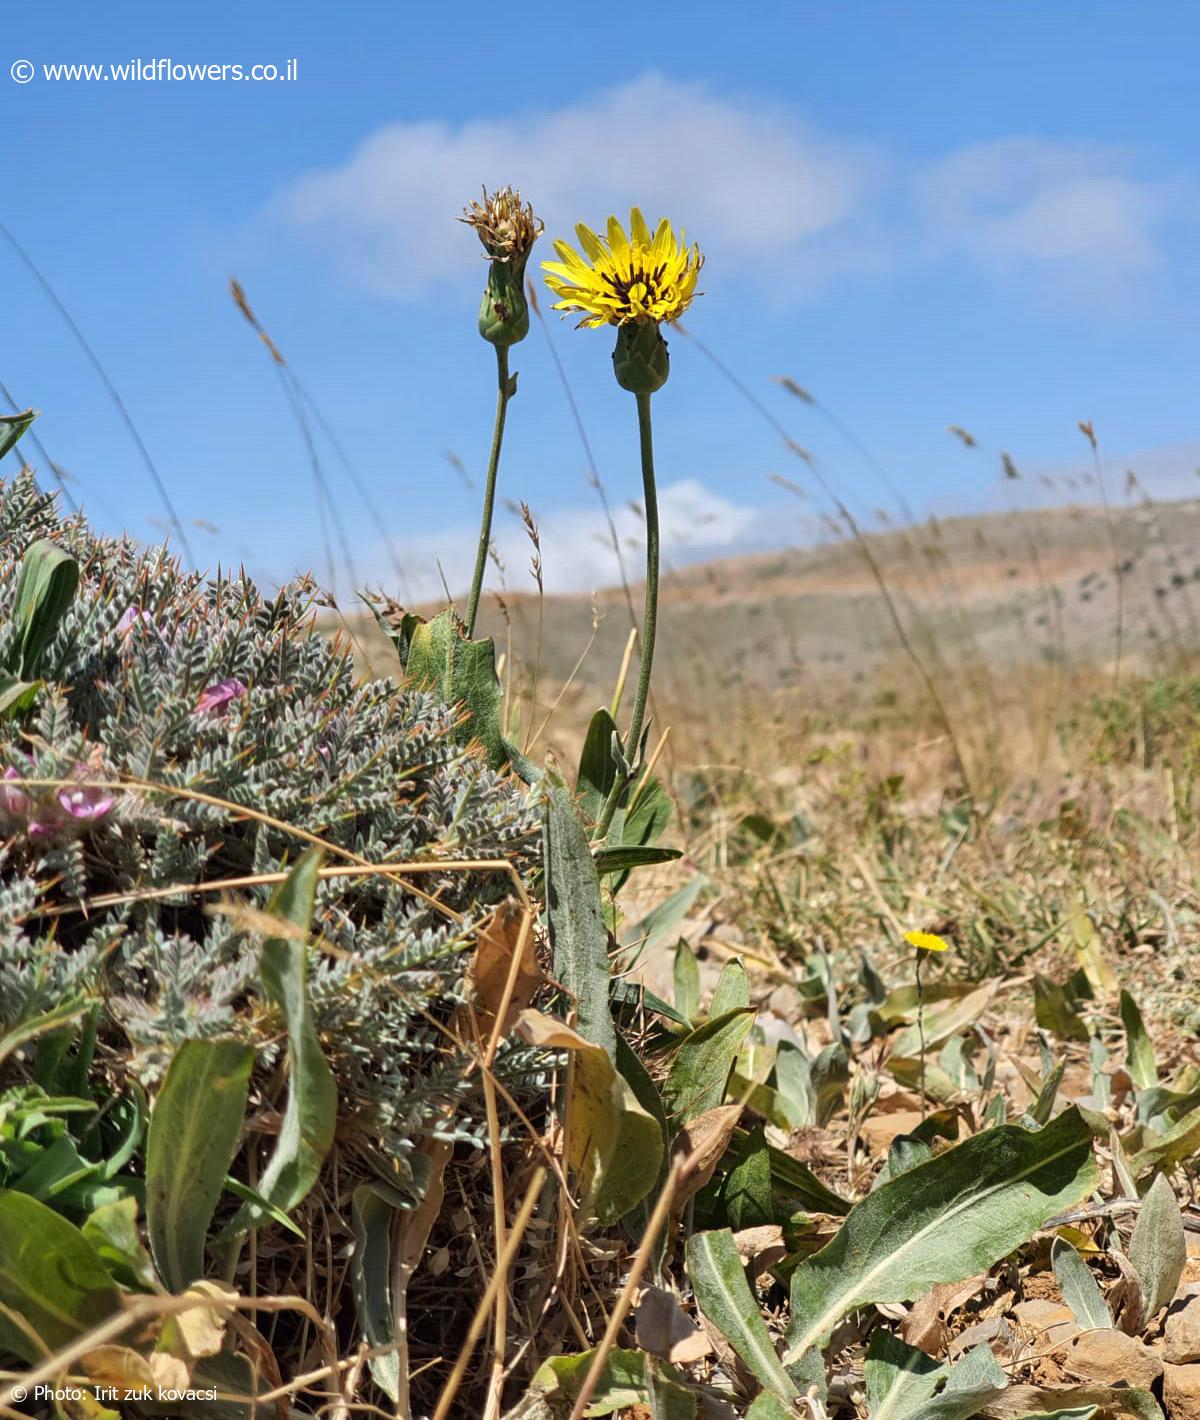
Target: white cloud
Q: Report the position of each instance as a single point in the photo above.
(749, 177)
(1030, 199)
(577, 550)
(757, 184)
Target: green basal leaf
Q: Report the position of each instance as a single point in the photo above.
(46, 586)
(50, 1276)
(718, 1279)
(1139, 1050)
(942, 1221)
(578, 935)
(310, 1115)
(195, 1130)
(702, 1065)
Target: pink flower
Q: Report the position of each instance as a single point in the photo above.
(219, 695)
(84, 801)
(131, 618)
(14, 803)
(57, 813)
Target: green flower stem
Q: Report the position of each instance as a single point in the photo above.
(504, 394)
(649, 615)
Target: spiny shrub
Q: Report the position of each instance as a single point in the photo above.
(169, 697)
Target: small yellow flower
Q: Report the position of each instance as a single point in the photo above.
(926, 941)
(640, 279)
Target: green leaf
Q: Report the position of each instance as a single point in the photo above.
(39, 1025)
(597, 767)
(723, 1295)
(769, 1407)
(462, 672)
(113, 1231)
(645, 1091)
(46, 586)
(1179, 1142)
(627, 1379)
(16, 695)
(1078, 1412)
(621, 860)
(794, 1082)
(746, 1192)
(687, 981)
(613, 1143)
(195, 1129)
(577, 932)
(310, 1115)
(1079, 1288)
(661, 925)
(795, 1182)
(648, 815)
(50, 1276)
(261, 1207)
(12, 427)
(946, 1021)
(371, 1211)
(942, 1221)
(1139, 1050)
(732, 991)
(1158, 1248)
(703, 1062)
(905, 1384)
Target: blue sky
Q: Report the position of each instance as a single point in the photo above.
(927, 213)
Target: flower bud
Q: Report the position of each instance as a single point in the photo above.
(503, 312)
(640, 360)
(507, 230)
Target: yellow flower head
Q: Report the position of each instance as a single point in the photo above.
(622, 280)
(926, 941)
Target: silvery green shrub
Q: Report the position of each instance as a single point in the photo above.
(210, 685)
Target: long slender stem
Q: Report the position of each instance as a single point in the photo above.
(649, 614)
(503, 395)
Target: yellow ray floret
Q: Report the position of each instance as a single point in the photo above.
(926, 941)
(620, 279)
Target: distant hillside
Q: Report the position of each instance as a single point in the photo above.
(1014, 587)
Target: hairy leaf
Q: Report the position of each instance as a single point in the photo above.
(942, 1221)
(195, 1128)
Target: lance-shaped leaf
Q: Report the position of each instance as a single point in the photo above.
(310, 1115)
(597, 767)
(50, 1277)
(577, 932)
(194, 1132)
(1158, 1249)
(906, 1384)
(12, 427)
(1170, 1148)
(46, 587)
(703, 1063)
(718, 1279)
(1079, 1288)
(614, 1145)
(942, 1221)
(1139, 1050)
(372, 1209)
